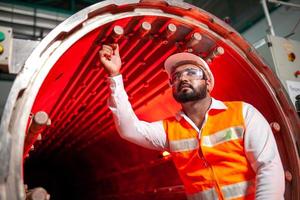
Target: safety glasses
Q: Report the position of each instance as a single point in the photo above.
(190, 73)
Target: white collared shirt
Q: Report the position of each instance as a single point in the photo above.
(260, 146)
(215, 105)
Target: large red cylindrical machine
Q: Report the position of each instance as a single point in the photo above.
(58, 133)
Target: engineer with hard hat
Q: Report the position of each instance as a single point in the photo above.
(222, 150)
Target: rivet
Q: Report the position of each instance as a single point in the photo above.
(275, 126)
(288, 176)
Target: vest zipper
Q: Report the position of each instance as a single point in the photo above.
(211, 171)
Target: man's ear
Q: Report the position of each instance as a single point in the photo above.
(209, 85)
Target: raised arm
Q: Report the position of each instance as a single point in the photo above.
(149, 135)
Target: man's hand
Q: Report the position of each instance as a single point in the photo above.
(110, 58)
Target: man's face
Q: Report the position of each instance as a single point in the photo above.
(188, 83)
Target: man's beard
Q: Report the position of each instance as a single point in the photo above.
(192, 95)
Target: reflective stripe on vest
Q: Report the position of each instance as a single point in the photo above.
(229, 191)
(238, 189)
(219, 137)
(210, 194)
(222, 136)
(184, 145)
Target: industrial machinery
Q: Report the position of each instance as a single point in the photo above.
(6, 42)
(57, 131)
(281, 54)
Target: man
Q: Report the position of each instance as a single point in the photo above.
(222, 150)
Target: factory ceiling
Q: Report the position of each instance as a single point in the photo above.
(240, 14)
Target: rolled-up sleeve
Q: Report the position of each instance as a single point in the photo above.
(149, 135)
(262, 153)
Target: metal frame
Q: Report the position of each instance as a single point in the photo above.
(267, 14)
(285, 3)
(36, 68)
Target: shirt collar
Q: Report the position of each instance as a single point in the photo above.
(215, 105)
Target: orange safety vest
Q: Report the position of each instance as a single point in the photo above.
(218, 167)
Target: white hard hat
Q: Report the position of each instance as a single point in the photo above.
(178, 59)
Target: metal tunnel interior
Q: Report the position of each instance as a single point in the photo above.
(79, 154)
